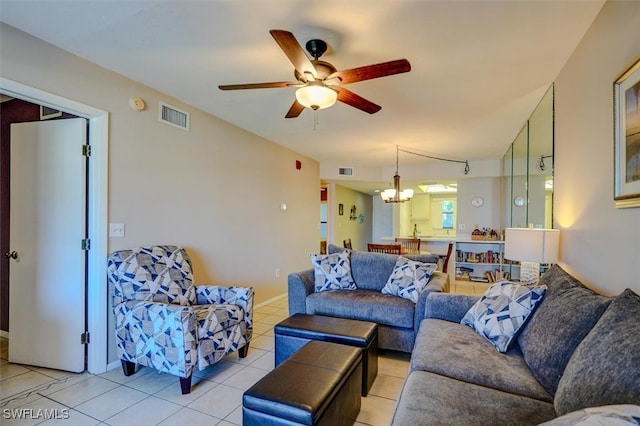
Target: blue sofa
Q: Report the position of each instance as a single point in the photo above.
(398, 319)
(577, 350)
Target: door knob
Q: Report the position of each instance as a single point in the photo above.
(12, 255)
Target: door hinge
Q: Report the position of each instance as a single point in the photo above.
(84, 338)
(86, 150)
(86, 244)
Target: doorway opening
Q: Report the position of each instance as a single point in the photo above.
(97, 230)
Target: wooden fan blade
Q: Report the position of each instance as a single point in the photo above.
(369, 72)
(294, 52)
(356, 101)
(258, 85)
(295, 110)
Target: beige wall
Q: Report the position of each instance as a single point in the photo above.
(486, 216)
(599, 243)
(215, 190)
(343, 227)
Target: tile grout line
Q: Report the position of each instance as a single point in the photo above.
(34, 390)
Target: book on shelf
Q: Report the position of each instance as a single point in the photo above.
(488, 256)
(478, 279)
(494, 276)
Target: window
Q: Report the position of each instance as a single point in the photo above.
(443, 212)
(448, 218)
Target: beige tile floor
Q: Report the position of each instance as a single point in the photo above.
(151, 398)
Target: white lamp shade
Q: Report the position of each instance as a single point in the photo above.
(316, 96)
(406, 194)
(531, 245)
(388, 194)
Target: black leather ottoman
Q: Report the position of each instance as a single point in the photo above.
(319, 385)
(295, 331)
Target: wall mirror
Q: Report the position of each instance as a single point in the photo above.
(528, 171)
(519, 179)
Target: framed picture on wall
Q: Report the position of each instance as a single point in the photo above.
(626, 95)
(340, 209)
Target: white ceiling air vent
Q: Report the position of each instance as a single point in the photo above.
(345, 171)
(173, 116)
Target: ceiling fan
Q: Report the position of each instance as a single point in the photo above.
(319, 83)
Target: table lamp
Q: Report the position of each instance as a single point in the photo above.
(531, 247)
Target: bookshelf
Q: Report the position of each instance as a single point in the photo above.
(482, 261)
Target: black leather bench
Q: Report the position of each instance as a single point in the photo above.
(297, 330)
(319, 385)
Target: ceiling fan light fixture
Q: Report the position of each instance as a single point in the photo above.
(316, 95)
(318, 77)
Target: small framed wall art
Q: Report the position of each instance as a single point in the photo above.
(626, 135)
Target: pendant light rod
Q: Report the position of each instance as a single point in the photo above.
(465, 162)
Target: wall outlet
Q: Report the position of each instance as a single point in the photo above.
(116, 229)
(277, 272)
(461, 226)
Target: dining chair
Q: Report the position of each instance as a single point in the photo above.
(384, 248)
(347, 244)
(409, 245)
(445, 258)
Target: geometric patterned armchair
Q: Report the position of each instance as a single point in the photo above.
(165, 322)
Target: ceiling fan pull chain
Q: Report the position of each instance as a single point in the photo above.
(315, 120)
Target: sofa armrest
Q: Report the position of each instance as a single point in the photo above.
(447, 306)
(228, 295)
(438, 283)
(301, 284)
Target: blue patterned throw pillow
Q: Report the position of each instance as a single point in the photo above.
(409, 278)
(332, 271)
(502, 311)
(610, 415)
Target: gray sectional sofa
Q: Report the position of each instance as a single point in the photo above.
(398, 319)
(577, 350)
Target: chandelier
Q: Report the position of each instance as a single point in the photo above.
(395, 195)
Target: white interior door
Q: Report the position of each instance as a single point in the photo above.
(47, 221)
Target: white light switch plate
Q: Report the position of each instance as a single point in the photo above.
(116, 229)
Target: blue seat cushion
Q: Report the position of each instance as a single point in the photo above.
(365, 305)
(432, 399)
(455, 350)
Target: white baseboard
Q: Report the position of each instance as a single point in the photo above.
(113, 365)
(273, 299)
(4, 334)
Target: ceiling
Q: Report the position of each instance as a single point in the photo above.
(478, 67)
